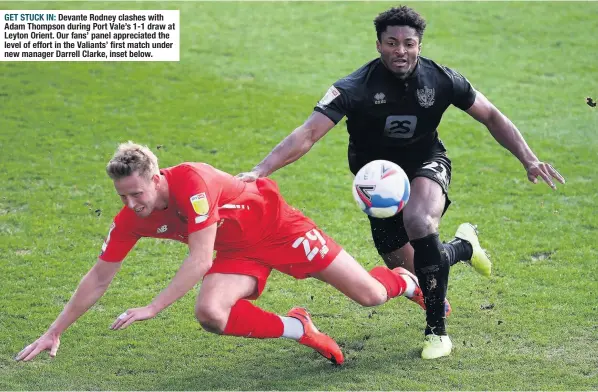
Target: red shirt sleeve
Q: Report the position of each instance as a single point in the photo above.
(198, 202)
(120, 239)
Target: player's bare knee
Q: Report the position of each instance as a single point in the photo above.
(211, 318)
(371, 297)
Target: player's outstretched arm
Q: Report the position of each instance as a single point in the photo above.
(195, 266)
(507, 134)
(90, 290)
(292, 147)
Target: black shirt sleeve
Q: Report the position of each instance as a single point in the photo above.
(336, 103)
(463, 92)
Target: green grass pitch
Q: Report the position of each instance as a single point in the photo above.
(250, 72)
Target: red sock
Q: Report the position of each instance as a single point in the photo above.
(248, 320)
(393, 282)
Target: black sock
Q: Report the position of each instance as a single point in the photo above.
(458, 250)
(432, 270)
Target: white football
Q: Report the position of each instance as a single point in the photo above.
(381, 189)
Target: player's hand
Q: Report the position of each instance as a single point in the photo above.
(248, 176)
(132, 315)
(545, 171)
(44, 343)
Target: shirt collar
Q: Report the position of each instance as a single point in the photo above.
(413, 74)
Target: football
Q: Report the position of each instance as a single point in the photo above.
(381, 189)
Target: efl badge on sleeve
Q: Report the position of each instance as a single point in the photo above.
(200, 206)
(331, 94)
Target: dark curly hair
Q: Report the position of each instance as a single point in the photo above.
(401, 16)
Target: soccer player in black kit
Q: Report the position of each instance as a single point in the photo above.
(393, 106)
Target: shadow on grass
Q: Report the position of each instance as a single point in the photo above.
(290, 367)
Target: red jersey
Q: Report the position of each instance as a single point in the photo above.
(199, 196)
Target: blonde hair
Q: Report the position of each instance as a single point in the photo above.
(130, 158)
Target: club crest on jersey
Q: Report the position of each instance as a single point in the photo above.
(331, 94)
(425, 97)
(200, 204)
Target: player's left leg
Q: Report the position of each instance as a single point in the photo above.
(467, 234)
(367, 288)
(402, 257)
(307, 253)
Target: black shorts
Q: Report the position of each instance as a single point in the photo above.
(389, 234)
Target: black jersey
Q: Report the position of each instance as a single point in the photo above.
(394, 119)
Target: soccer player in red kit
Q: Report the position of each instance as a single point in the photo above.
(251, 228)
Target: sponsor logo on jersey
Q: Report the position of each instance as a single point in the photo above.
(162, 229)
(235, 207)
(379, 98)
(400, 127)
(331, 94)
(425, 97)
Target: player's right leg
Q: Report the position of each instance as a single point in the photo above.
(222, 308)
(219, 294)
